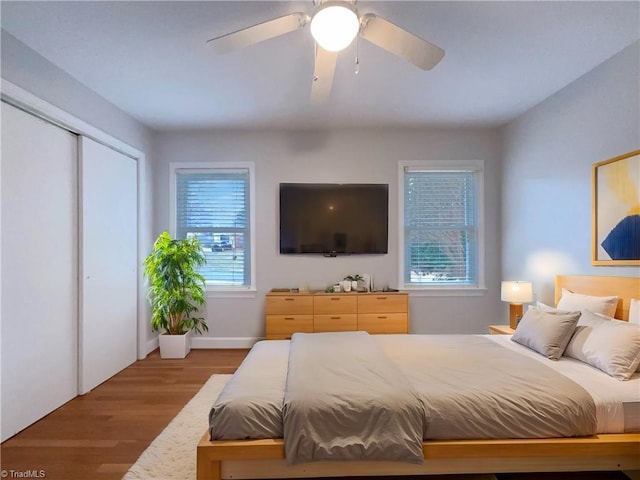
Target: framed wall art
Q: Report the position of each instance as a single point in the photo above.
(616, 211)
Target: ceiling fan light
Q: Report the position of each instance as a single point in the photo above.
(334, 26)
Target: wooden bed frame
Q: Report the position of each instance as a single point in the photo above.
(245, 459)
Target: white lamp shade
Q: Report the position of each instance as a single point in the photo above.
(516, 292)
(334, 26)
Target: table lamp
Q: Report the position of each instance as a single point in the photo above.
(516, 293)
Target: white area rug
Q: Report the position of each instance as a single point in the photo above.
(172, 455)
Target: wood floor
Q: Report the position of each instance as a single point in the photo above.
(100, 435)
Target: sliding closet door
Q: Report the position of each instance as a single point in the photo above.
(39, 269)
(108, 271)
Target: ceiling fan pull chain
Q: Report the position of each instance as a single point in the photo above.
(315, 57)
(357, 58)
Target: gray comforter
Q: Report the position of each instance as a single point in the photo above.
(345, 400)
(250, 406)
(471, 387)
(351, 396)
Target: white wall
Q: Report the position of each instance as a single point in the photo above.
(548, 154)
(29, 70)
(337, 156)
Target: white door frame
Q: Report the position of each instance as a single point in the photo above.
(25, 100)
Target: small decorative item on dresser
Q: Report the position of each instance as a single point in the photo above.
(367, 282)
(354, 279)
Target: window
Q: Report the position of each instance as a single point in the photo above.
(441, 230)
(215, 204)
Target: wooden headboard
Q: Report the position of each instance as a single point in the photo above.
(625, 288)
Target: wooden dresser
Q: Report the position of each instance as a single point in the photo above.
(376, 312)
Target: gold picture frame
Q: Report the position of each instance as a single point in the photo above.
(616, 211)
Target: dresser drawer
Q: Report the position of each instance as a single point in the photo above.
(335, 323)
(335, 304)
(288, 324)
(382, 303)
(383, 322)
(289, 304)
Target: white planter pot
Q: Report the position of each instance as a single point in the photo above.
(174, 346)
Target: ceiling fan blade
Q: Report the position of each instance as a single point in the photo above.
(323, 75)
(404, 44)
(258, 33)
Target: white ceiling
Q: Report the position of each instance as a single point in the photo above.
(150, 59)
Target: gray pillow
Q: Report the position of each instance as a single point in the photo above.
(612, 346)
(548, 333)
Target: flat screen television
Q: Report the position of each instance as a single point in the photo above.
(334, 219)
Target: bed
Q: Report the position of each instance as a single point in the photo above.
(265, 457)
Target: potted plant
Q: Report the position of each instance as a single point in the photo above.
(176, 292)
(354, 279)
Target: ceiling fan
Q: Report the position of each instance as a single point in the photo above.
(334, 24)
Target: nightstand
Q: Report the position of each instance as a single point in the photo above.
(501, 330)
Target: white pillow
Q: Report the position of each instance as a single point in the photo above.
(634, 311)
(545, 308)
(545, 332)
(548, 308)
(634, 316)
(612, 346)
(576, 301)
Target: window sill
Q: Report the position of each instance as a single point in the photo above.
(231, 292)
(444, 291)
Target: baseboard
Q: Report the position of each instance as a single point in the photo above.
(152, 345)
(224, 342)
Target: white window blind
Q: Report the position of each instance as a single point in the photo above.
(213, 205)
(440, 227)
